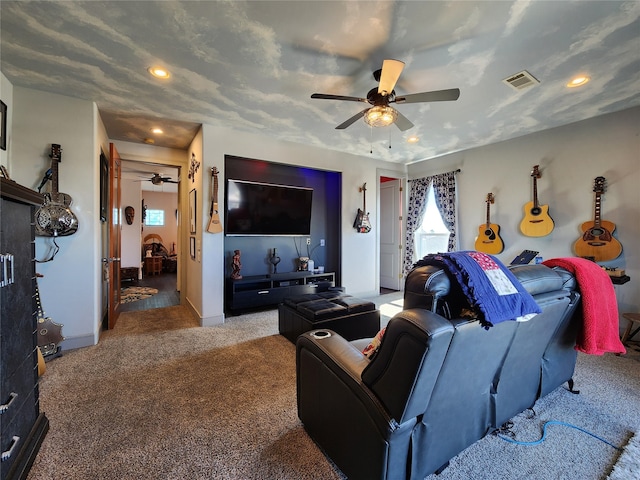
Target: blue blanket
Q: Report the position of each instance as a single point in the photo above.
(492, 291)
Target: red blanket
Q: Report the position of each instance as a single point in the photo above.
(600, 332)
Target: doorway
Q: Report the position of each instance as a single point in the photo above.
(391, 231)
(150, 194)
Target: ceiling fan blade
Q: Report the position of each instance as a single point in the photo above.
(402, 122)
(436, 96)
(352, 120)
(391, 70)
(338, 97)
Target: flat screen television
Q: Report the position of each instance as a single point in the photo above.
(254, 208)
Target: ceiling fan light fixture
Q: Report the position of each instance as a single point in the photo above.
(380, 116)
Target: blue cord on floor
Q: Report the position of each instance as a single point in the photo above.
(544, 434)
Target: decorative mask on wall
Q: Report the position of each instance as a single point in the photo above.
(129, 214)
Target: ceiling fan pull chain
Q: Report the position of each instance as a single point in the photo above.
(371, 140)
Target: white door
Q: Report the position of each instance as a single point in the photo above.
(390, 234)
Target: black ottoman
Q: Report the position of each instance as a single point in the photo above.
(350, 317)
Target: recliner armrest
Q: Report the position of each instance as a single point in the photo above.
(336, 349)
(329, 370)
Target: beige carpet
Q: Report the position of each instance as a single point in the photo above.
(628, 465)
(161, 398)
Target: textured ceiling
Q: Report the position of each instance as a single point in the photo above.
(253, 66)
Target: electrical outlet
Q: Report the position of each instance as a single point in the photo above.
(308, 241)
(322, 242)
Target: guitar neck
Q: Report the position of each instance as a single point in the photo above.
(535, 193)
(55, 160)
(364, 198)
(40, 310)
(488, 214)
(596, 213)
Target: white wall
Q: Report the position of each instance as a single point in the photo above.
(570, 157)
(167, 201)
(201, 288)
(130, 236)
(71, 287)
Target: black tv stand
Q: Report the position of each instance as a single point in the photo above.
(269, 290)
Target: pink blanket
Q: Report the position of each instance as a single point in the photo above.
(600, 322)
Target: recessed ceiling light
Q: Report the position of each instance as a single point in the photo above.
(578, 81)
(159, 72)
(157, 130)
(412, 139)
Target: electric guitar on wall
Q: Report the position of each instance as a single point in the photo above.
(597, 241)
(488, 239)
(361, 223)
(55, 218)
(49, 332)
(536, 221)
(214, 223)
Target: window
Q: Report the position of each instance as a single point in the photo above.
(155, 218)
(433, 235)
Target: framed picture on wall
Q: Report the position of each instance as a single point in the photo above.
(104, 186)
(192, 211)
(192, 247)
(3, 125)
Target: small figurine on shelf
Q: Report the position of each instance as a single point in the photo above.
(275, 260)
(236, 265)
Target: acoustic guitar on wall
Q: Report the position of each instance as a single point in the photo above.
(536, 221)
(488, 239)
(597, 241)
(54, 218)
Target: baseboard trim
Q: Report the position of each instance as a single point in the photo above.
(212, 321)
(71, 343)
(204, 321)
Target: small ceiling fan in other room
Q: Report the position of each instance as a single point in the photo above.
(158, 179)
(381, 114)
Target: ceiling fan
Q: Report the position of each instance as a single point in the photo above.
(158, 179)
(381, 114)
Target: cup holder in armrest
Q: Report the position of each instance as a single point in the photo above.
(319, 334)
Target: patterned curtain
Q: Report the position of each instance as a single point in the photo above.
(445, 195)
(444, 186)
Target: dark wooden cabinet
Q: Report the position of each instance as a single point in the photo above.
(22, 425)
(265, 290)
(153, 265)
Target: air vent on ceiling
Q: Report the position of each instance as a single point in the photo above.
(521, 80)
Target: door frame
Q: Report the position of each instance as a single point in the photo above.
(182, 248)
(114, 226)
(400, 214)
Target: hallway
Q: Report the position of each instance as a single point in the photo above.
(167, 295)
